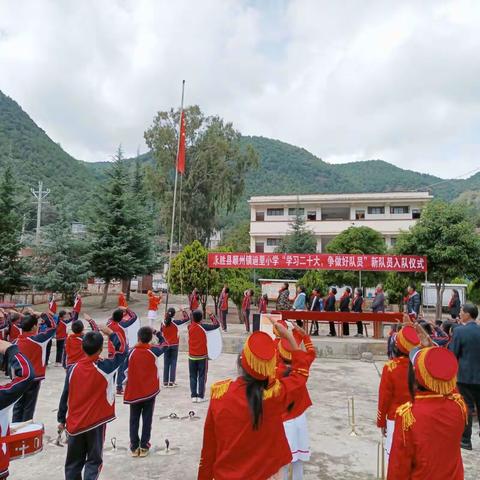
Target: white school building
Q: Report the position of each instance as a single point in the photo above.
(330, 214)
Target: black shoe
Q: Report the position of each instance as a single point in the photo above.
(466, 445)
(332, 335)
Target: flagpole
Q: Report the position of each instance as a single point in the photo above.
(174, 199)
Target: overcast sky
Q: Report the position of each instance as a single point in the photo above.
(347, 80)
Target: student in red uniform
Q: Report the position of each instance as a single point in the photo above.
(244, 437)
(33, 345)
(22, 375)
(198, 354)
(263, 304)
(428, 431)
(194, 300)
(122, 300)
(224, 307)
(121, 319)
(246, 307)
(142, 387)
(73, 345)
(64, 319)
(393, 390)
(87, 404)
(170, 333)
(153, 303)
(14, 326)
(77, 306)
(52, 304)
(295, 419)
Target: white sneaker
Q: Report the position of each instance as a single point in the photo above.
(202, 400)
(195, 400)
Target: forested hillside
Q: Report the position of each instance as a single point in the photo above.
(283, 169)
(34, 156)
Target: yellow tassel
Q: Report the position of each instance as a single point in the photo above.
(273, 391)
(219, 389)
(262, 367)
(437, 386)
(391, 365)
(405, 411)
(405, 343)
(284, 353)
(458, 399)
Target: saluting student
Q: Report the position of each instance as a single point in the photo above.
(428, 431)
(77, 306)
(171, 335)
(73, 344)
(198, 354)
(244, 436)
(64, 319)
(153, 303)
(87, 404)
(393, 390)
(33, 345)
(295, 419)
(121, 319)
(142, 386)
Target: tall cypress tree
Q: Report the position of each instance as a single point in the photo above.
(12, 267)
(120, 246)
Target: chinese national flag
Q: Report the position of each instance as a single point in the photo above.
(181, 147)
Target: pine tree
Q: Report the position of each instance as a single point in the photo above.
(121, 244)
(62, 263)
(12, 267)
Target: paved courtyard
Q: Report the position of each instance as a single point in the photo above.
(336, 454)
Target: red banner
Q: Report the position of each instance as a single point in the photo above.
(319, 261)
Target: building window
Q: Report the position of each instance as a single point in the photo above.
(275, 212)
(399, 210)
(415, 213)
(312, 216)
(260, 216)
(259, 247)
(360, 214)
(296, 211)
(273, 242)
(376, 210)
(393, 241)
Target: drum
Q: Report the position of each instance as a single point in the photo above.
(24, 441)
(214, 343)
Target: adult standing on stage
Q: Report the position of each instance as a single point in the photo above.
(378, 304)
(344, 306)
(465, 345)
(330, 307)
(454, 304)
(283, 299)
(357, 307)
(316, 305)
(300, 302)
(413, 301)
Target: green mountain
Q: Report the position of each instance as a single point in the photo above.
(283, 169)
(34, 157)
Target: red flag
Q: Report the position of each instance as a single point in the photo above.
(181, 147)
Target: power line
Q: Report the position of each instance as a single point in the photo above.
(460, 177)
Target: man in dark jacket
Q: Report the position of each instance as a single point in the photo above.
(413, 302)
(465, 345)
(330, 307)
(378, 304)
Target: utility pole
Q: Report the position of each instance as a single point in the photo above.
(40, 195)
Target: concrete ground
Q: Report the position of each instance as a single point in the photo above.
(335, 453)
